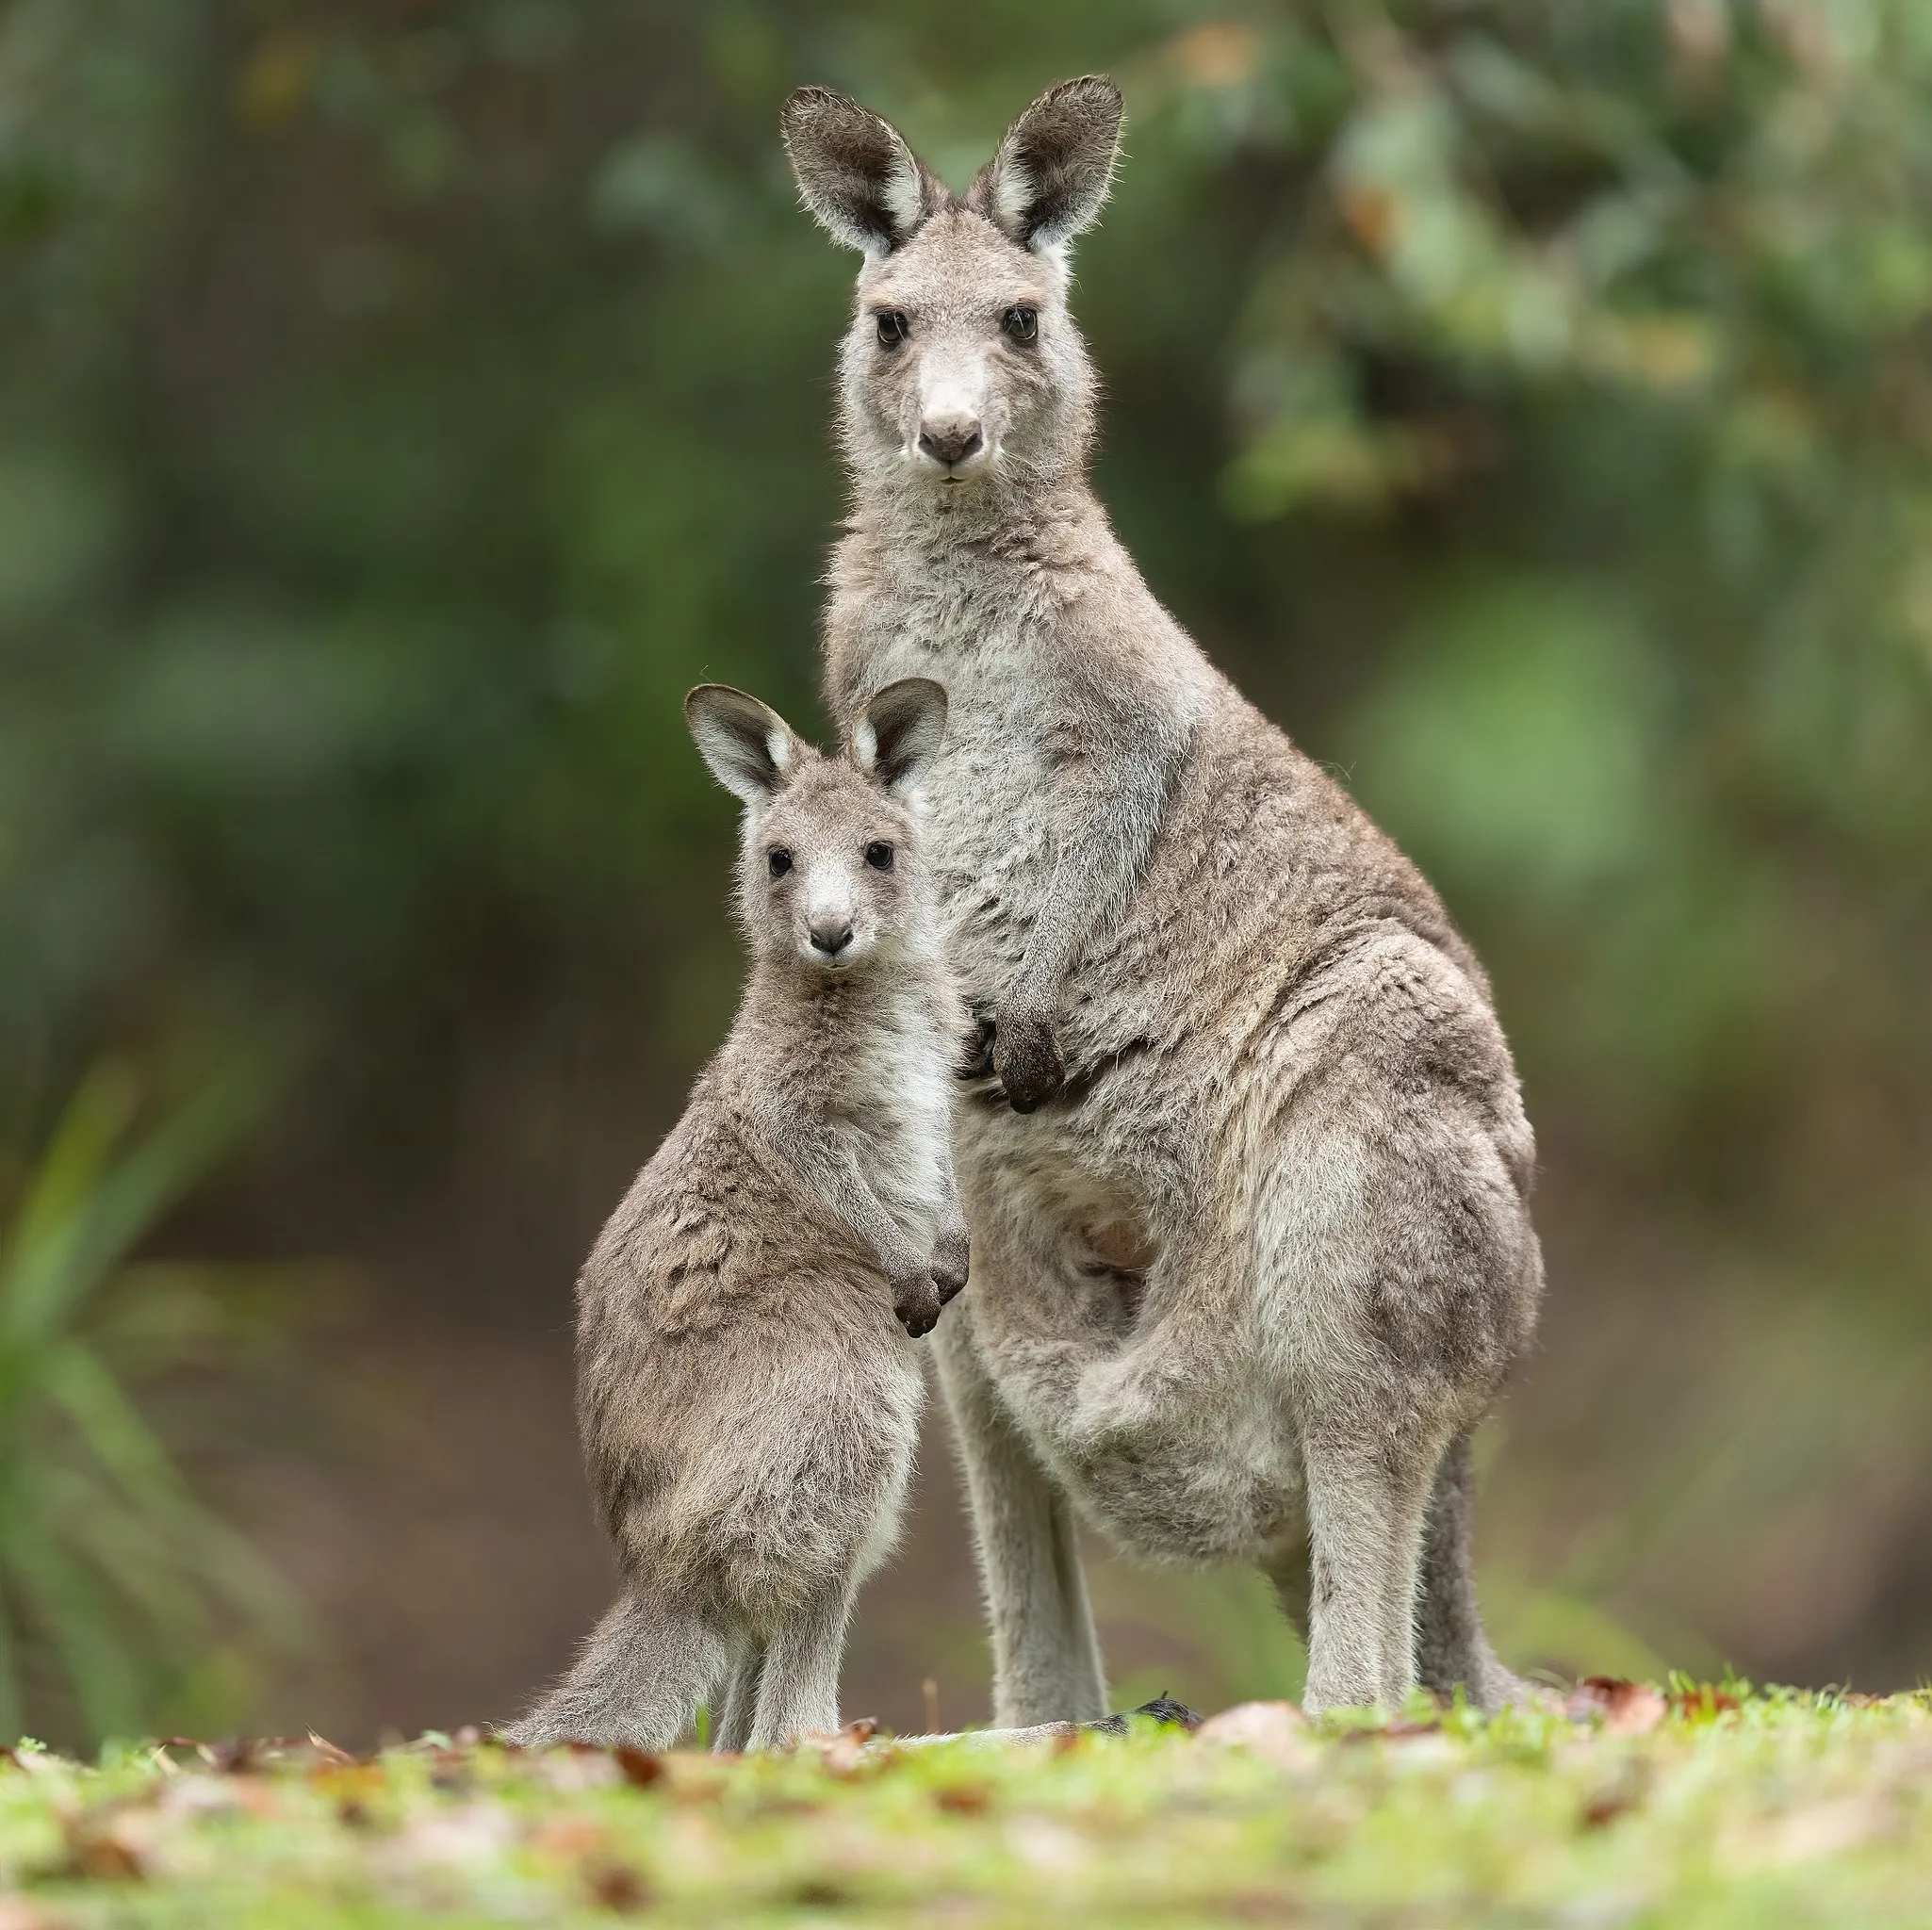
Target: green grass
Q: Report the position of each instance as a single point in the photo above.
(1785, 1810)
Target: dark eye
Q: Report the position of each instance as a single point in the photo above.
(879, 857)
(1023, 325)
(892, 328)
(779, 859)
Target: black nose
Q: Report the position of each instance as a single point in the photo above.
(951, 445)
(830, 940)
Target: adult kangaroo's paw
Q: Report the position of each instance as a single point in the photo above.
(916, 1301)
(1026, 1057)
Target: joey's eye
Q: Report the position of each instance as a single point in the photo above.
(892, 328)
(779, 859)
(1022, 324)
(879, 857)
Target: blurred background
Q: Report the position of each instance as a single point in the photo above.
(402, 402)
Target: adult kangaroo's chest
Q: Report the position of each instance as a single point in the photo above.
(989, 829)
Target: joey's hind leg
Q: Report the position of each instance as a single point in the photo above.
(638, 1681)
(798, 1686)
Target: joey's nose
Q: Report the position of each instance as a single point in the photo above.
(831, 937)
(951, 443)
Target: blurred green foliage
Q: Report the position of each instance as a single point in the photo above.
(1527, 401)
(123, 1601)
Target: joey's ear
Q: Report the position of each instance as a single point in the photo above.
(856, 173)
(1051, 171)
(749, 747)
(898, 734)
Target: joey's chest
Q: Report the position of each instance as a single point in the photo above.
(897, 1107)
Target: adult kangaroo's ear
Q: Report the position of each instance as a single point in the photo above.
(1050, 172)
(749, 747)
(855, 172)
(898, 734)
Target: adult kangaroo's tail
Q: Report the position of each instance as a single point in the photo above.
(638, 1681)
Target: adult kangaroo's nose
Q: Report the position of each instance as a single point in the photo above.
(951, 441)
(831, 936)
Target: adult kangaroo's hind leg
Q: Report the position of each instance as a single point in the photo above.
(1367, 1499)
(638, 1681)
(1452, 1649)
(1046, 1658)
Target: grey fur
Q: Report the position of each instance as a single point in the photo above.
(748, 1404)
(1261, 1255)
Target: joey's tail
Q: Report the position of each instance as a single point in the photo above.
(638, 1681)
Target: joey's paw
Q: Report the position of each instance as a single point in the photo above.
(1027, 1059)
(951, 1263)
(917, 1304)
(975, 1060)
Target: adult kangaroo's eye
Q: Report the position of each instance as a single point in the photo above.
(879, 857)
(892, 328)
(779, 859)
(1023, 325)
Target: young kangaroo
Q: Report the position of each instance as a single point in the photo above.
(1249, 1177)
(747, 1401)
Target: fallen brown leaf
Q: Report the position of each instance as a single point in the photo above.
(569, 1836)
(107, 1845)
(1704, 1703)
(844, 1752)
(618, 1888)
(818, 1893)
(963, 1799)
(1603, 1805)
(1627, 1708)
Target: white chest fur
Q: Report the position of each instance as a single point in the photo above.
(898, 1109)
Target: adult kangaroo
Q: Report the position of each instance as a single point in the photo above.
(1247, 1169)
